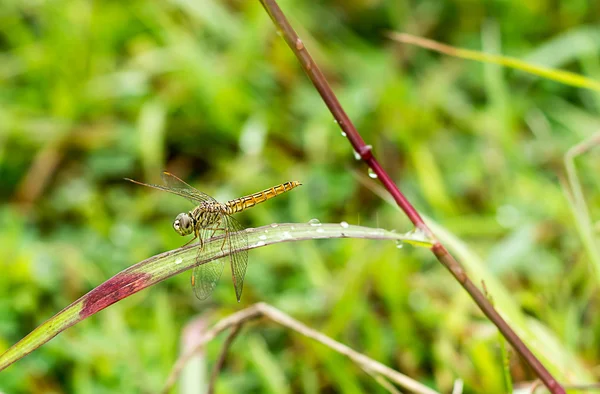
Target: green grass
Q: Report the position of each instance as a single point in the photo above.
(91, 93)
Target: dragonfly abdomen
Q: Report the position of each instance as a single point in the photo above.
(239, 204)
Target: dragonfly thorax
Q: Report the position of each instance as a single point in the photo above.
(207, 213)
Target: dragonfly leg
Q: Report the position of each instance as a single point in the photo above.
(196, 235)
(224, 238)
(215, 229)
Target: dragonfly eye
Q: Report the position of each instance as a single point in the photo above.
(183, 224)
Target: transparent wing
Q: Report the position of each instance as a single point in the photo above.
(237, 241)
(206, 276)
(177, 186)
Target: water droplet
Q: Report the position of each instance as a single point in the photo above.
(417, 237)
(292, 227)
(343, 133)
(299, 44)
(320, 230)
(179, 260)
(260, 243)
(286, 235)
(314, 222)
(372, 174)
(399, 244)
(274, 225)
(263, 237)
(356, 155)
(344, 224)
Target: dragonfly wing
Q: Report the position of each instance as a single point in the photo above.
(205, 276)
(177, 186)
(234, 244)
(183, 189)
(237, 242)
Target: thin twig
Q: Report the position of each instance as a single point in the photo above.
(383, 382)
(365, 152)
(458, 386)
(235, 319)
(235, 330)
(535, 386)
(576, 197)
(274, 314)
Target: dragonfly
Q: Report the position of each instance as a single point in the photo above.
(210, 218)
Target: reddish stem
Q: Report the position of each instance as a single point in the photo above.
(366, 154)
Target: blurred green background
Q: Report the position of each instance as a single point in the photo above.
(92, 92)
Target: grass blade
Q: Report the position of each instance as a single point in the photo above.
(162, 266)
(568, 78)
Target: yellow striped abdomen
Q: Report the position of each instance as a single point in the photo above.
(239, 204)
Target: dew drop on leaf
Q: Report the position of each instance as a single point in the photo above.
(314, 222)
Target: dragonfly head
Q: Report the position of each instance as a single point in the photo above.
(183, 224)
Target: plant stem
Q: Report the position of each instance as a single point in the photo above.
(261, 309)
(235, 330)
(366, 154)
